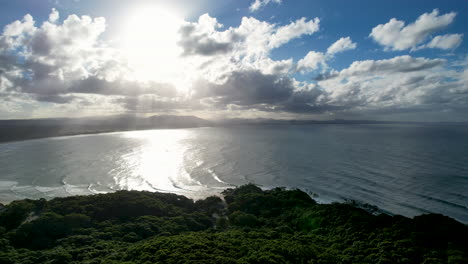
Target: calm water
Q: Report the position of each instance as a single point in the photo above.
(405, 169)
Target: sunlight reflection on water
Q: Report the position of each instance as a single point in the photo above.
(158, 163)
(402, 169)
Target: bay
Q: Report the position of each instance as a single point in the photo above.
(406, 169)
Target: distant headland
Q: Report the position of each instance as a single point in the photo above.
(22, 129)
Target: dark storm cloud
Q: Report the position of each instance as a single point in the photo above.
(241, 90)
(307, 101)
(251, 89)
(248, 88)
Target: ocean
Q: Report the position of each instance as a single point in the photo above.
(407, 169)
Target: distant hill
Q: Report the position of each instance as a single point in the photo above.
(177, 121)
(270, 121)
(11, 130)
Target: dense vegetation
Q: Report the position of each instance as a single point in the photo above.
(247, 226)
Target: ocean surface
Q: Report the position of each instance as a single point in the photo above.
(402, 169)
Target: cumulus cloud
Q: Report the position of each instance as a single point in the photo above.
(280, 67)
(294, 30)
(311, 61)
(395, 35)
(252, 89)
(17, 28)
(247, 88)
(54, 15)
(314, 60)
(68, 57)
(401, 84)
(252, 38)
(258, 4)
(399, 64)
(341, 45)
(53, 55)
(446, 42)
(67, 65)
(14, 33)
(202, 38)
(64, 63)
(218, 51)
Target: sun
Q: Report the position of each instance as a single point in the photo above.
(149, 41)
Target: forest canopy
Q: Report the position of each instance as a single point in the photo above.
(242, 225)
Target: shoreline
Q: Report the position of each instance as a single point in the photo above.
(93, 133)
(365, 205)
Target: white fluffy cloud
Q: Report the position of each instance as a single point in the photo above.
(400, 64)
(56, 52)
(314, 60)
(202, 37)
(218, 51)
(400, 84)
(54, 15)
(67, 65)
(294, 30)
(446, 42)
(341, 45)
(258, 4)
(252, 37)
(311, 61)
(395, 35)
(13, 34)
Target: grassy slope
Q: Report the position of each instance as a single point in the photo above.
(251, 226)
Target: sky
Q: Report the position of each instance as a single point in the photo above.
(312, 59)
